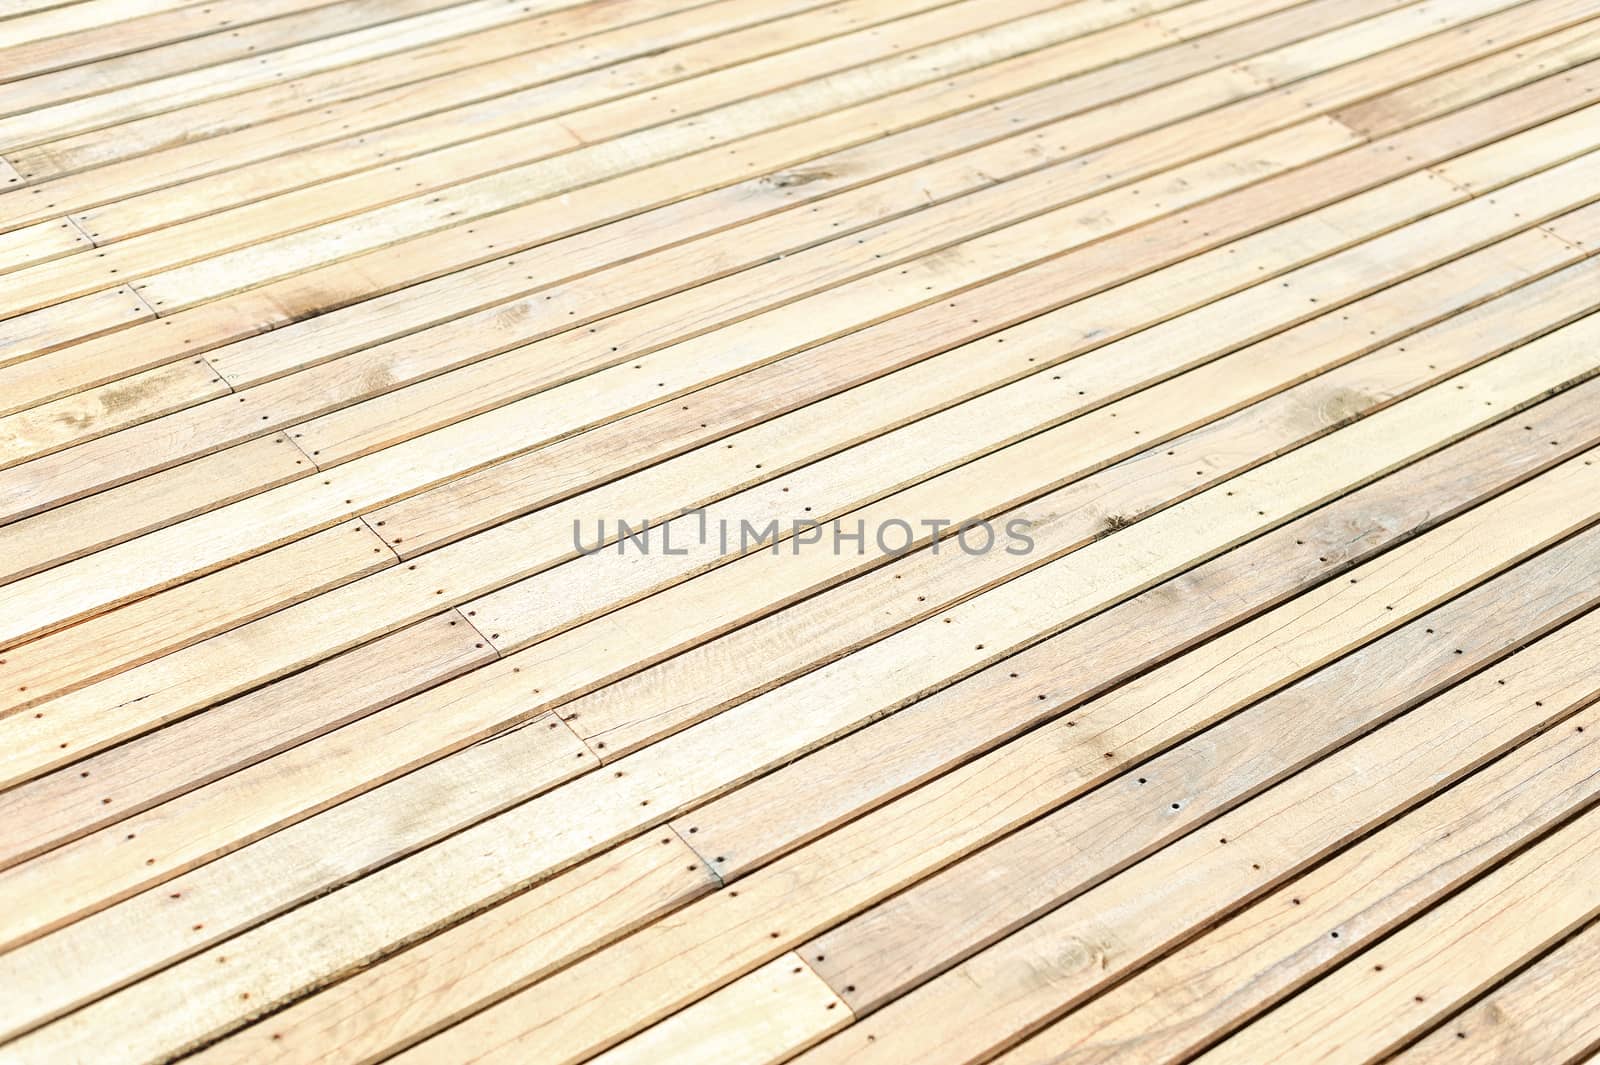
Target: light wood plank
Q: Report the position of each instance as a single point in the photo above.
(1026, 979)
(470, 869)
(71, 531)
(1545, 1013)
(598, 1001)
(1442, 959)
(763, 1017)
(892, 948)
(131, 778)
(441, 799)
(440, 979)
(40, 243)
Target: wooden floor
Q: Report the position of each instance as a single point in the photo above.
(882, 531)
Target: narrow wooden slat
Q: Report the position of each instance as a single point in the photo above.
(39, 243)
(29, 336)
(896, 946)
(471, 869)
(454, 145)
(1019, 983)
(138, 632)
(1545, 1013)
(594, 1003)
(139, 398)
(529, 935)
(131, 35)
(93, 112)
(74, 530)
(28, 90)
(761, 1018)
(30, 20)
(135, 776)
(1387, 112)
(1443, 958)
(442, 798)
(1405, 499)
(573, 40)
(204, 259)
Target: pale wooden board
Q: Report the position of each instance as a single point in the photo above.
(133, 777)
(39, 243)
(104, 868)
(133, 400)
(1298, 931)
(1441, 960)
(1547, 1012)
(603, 999)
(208, 257)
(997, 995)
(495, 75)
(763, 1017)
(130, 34)
(751, 825)
(988, 255)
(507, 130)
(93, 112)
(458, 246)
(441, 979)
(74, 530)
(30, 89)
(492, 634)
(916, 935)
(170, 251)
(468, 863)
(444, 798)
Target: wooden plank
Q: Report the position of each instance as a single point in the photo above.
(52, 869)
(184, 284)
(1581, 229)
(133, 400)
(440, 979)
(606, 997)
(220, 254)
(753, 824)
(654, 276)
(474, 868)
(295, 303)
(72, 531)
(763, 1017)
(138, 632)
(448, 796)
(333, 286)
(1442, 959)
(130, 35)
(503, 610)
(561, 411)
(30, 20)
(1419, 101)
(129, 779)
(418, 69)
(924, 931)
(257, 39)
(1187, 885)
(444, 148)
(40, 243)
(221, 79)
(262, 646)
(37, 333)
(1287, 937)
(573, 41)
(1547, 1012)
(983, 484)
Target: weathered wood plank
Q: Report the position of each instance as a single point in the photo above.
(1547, 1012)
